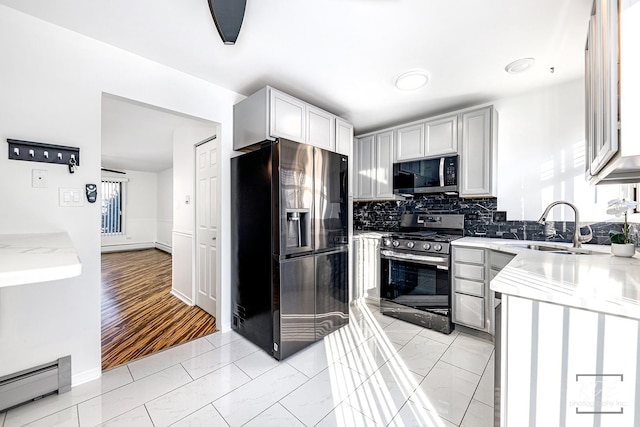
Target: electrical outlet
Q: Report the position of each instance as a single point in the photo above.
(39, 178)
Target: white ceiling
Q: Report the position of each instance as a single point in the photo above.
(344, 55)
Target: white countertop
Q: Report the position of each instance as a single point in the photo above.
(41, 257)
(602, 282)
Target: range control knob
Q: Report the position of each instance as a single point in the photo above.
(426, 246)
(396, 243)
(387, 242)
(437, 247)
(410, 245)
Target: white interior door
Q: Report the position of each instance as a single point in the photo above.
(206, 225)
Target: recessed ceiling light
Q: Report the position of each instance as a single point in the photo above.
(412, 80)
(519, 66)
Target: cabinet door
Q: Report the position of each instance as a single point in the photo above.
(476, 153)
(441, 136)
(344, 137)
(410, 142)
(287, 117)
(321, 130)
(384, 165)
(603, 79)
(468, 310)
(365, 172)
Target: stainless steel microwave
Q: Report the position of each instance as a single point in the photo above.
(437, 175)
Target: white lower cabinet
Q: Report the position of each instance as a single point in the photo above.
(472, 271)
(469, 310)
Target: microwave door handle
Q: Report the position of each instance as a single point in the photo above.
(441, 171)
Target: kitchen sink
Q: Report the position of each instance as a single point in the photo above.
(558, 249)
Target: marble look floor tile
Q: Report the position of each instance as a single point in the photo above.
(420, 354)
(110, 380)
(469, 353)
(218, 339)
(135, 418)
(179, 403)
(275, 416)
(414, 415)
(256, 363)
(130, 396)
(346, 416)
(369, 356)
(382, 395)
(439, 336)
(205, 417)
(156, 362)
(314, 359)
(65, 418)
(485, 393)
(321, 394)
(2, 415)
(218, 357)
(478, 415)
(401, 332)
(244, 403)
(447, 391)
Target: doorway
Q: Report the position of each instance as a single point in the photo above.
(141, 140)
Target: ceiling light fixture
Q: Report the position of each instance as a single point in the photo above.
(519, 66)
(412, 80)
(228, 16)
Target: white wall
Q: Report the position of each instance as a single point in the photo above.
(140, 212)
(165, 209)
(184, 141)
(541, 156)
(52, 81)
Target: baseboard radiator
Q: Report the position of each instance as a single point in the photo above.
(32, 384)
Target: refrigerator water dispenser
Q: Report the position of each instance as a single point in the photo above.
(298, 230)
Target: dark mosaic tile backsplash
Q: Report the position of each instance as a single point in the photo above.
(385, 216)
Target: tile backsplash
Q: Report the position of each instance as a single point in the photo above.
(479, 221)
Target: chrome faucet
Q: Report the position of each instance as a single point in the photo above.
(578, 239)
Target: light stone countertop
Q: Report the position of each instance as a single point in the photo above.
(38, 257)
(598, 282)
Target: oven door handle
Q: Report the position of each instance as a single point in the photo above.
(441, 262)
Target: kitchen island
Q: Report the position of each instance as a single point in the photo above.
(569, 336)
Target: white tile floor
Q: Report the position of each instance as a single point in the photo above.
(376, 371)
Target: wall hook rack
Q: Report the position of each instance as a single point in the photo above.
(47, 153)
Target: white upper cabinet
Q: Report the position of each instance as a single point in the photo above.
(321, 130)
(269, 114)
(477, 153)
(344, 137)
(441, 136)
(365, 167)
(410, 142)
(431, 138)
(374, 166)
(384, 165)
(287, 117)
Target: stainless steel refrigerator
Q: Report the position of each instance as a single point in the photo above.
(289, 242)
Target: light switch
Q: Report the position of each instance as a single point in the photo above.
(70, 197)
(39, 178)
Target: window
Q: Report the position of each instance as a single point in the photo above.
(112, 206)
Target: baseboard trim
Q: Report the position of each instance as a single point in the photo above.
(85, 377)
(127, 247)
(163, 247)
(181, 297)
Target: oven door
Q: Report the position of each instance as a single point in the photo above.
(418, 281)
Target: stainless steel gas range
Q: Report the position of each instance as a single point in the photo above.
(415, 284)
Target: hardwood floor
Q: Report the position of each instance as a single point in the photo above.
(139, 315)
